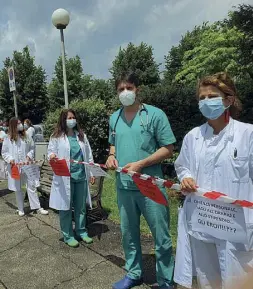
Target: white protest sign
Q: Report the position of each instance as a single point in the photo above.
(220, 220)
(97, 171)
(11, 75)
(32, 172)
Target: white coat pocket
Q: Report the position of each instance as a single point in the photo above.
(240, 167)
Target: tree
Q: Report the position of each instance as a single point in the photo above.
(75, 80)
(216, 51)
(174, 59)
(31, 87)
(242, 19)
(138, 59)
(99, 89)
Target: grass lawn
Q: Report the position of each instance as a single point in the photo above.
(110, 205)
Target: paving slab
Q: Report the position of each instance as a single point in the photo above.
(33, 256)
(34, 265)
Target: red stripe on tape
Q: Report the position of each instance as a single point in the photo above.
(168, 184)
(213, 195)
(243, 203)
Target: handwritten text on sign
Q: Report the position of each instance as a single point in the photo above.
(32, 172)
(222, 221)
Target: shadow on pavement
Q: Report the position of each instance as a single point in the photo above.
(148, 266)
(4, 192)
(109, 246)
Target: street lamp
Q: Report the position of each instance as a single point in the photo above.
(60, 19)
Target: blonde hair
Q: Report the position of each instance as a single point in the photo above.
(225, 84)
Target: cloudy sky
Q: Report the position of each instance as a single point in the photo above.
(99, 27)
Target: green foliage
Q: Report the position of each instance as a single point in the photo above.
(93, 119)
(174, 59)
(178, 102)
(216, 51)
(173, 158)
(75, 82)
(31, 87)
(138, 59)
(100, 89)
(242, 19)
(244, 86)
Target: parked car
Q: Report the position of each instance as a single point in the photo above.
(39, 133)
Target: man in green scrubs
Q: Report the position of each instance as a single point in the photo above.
(140, 138)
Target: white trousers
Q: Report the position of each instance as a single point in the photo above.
(32, 196)
(220, 264)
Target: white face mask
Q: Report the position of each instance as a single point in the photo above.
(20, 127)
(71, 123)
(127, 97)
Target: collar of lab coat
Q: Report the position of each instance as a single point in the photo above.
(229, 133)
(200, 137)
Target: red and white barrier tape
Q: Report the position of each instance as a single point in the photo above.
(168, 184)
(174, 186)
(29, 163)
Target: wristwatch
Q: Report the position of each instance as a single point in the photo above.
(111, 155)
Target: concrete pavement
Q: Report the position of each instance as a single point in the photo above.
(32, 254)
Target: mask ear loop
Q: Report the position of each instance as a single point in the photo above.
(227, 115)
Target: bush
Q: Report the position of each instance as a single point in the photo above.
(180, 104)
(93, 120)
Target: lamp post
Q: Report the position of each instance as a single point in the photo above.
(60, 19)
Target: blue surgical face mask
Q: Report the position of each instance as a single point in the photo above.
(71, 123)
(212, 108)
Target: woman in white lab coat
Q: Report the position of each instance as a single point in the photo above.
(30, 131)
(69, 142)
(217, 156)
(18, 147)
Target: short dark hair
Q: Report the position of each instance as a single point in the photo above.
(129, 77)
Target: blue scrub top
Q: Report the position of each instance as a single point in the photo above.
(134, 141)
(77, 171)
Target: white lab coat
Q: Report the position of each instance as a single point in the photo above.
(31, 132)
(17, 151)
(2, 134)
(232, 176)
(60, 190)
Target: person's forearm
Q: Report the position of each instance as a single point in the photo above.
(157, 157)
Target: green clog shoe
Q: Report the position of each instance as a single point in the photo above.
(86, 239)
(72, 243)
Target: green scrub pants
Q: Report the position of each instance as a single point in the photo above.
(78, 198)
(131, 205)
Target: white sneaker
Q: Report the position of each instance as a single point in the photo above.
(20, 213)
(42, 211)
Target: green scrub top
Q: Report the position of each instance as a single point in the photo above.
(135, 141)
(77, 171)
